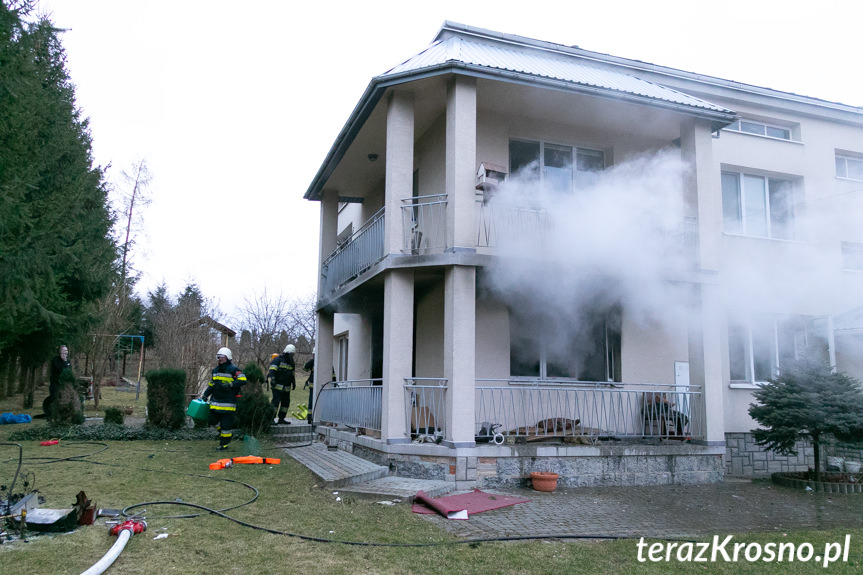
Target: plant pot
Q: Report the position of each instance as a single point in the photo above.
(544, 480)
(128, 410)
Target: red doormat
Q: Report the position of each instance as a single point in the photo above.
(460, 506)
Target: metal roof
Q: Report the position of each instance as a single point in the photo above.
(529, 61)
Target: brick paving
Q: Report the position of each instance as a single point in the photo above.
(666, 511)
(658, 511)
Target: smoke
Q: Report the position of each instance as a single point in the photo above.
(571, 256)
(624, 239)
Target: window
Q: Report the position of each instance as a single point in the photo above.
(763, 343)
(589, 351)
(757, 206)
(342, 374)
(852, 256)
(849, 167)
(561, 168)
(760, 129)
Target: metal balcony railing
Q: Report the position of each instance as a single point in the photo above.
(424, 224)
(502, 223)
(588, 411)
(355, 403)
(425, 407)
(361, 251)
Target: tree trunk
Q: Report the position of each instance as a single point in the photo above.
(28, 378)
(816, 448)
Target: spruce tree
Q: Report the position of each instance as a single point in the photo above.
(808, 401)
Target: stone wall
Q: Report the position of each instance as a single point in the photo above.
(744, 458)
(511, 465)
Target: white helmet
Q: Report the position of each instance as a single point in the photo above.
(226, 352)
(290, 348)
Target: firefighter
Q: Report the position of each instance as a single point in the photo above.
(282, 381)
(223, 393)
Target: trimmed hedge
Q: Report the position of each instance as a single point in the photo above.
(109, 432)
(166, 398)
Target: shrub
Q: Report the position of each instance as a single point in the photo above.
(166, 398)
(66, 408)
(254, 376)
(255, 413)
(114, 415)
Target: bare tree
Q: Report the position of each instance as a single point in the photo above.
(133, 200)
(182, 339)
(270, 323)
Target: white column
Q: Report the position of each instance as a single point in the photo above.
(400, 165)
(329, 233)
(461, 163)
(323, 350)
(460, 354)
(398, 352)
(707, 319)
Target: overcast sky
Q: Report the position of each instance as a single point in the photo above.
(235, 105)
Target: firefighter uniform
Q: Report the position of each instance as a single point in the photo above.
(223, 393)
(282, 381)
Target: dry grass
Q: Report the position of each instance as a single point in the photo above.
(289, 501)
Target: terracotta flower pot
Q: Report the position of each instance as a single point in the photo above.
(544, 480)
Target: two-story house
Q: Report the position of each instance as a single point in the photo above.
(536, 257)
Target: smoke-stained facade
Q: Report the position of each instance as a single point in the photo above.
(581, 250)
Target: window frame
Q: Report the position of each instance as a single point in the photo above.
(845, 158)
(772, 209)
(611, 342)
(778, 326)
(737, 126)
(578, 156)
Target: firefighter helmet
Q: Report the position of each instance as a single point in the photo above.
(290, 348)
(226, 352)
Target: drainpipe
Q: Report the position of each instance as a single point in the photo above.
(124, 532)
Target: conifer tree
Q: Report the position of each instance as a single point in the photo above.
(808, 401)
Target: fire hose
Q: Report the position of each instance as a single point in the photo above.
(123, 531)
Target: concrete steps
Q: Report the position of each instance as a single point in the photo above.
(296, 432)
(351, 474)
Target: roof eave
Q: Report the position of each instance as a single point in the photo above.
(379, 84)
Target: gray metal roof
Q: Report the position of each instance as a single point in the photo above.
(529, 61)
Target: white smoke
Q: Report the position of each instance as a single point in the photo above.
(616, 240)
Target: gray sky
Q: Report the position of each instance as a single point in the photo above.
(234, 106)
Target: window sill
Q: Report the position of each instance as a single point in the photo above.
(743, 385)
(847, 179)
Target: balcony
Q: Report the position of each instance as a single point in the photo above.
(512, 411)
(424, 223)
(361, 251)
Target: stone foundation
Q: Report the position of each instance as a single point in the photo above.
(744, 458)
(490, 466)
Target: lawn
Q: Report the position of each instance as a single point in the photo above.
(310, 521)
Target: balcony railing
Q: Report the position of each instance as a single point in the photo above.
(425, 407)
(502, 223)
(355, 403)
(424, 224)
(360, 252)
(588, 411)
(499, 222)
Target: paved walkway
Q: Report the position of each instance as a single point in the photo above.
(661, 511)
(668, 511)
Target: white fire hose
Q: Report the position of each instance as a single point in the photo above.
(124, 532)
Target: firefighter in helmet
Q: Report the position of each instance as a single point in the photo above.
(281, 378)
(223, 392)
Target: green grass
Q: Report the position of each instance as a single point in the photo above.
(290, 500)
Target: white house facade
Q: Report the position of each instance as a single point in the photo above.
(536, 257)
